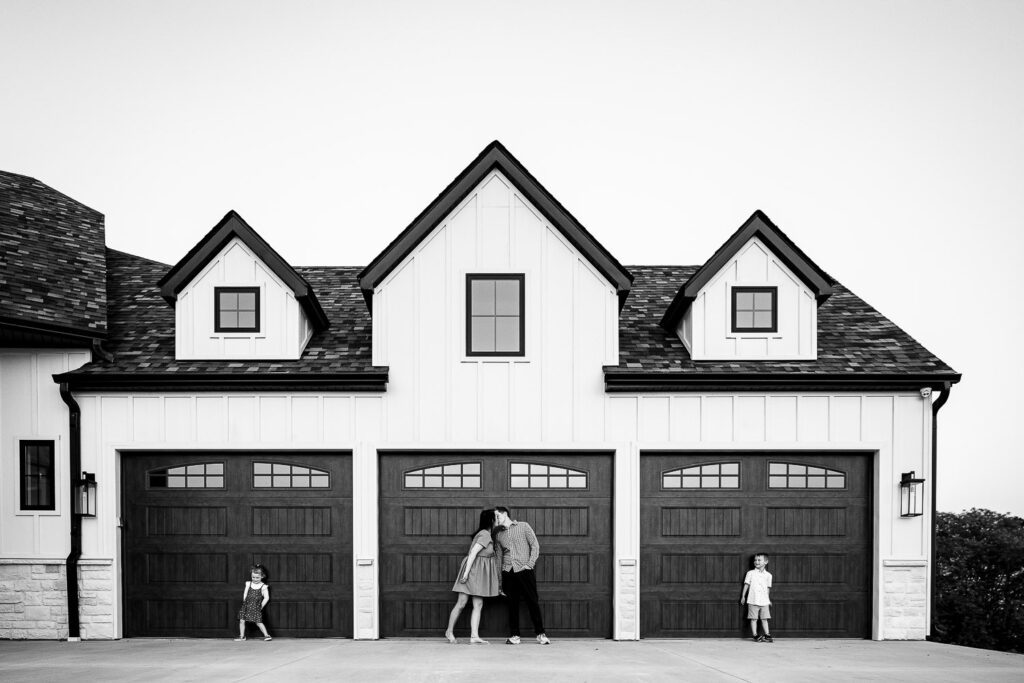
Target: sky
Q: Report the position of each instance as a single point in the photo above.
(885, 138)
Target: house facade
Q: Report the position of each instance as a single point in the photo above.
(656, 425)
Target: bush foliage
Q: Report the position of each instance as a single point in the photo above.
(979, 586)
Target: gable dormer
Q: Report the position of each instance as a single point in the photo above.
(756, 298)
(235, 298)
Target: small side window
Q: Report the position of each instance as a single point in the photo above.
(754, 309)
(37, 475)
(495, 320)
(236, 309)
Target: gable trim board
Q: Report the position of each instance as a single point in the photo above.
(231, 226)
(495, 156)
(760, 226)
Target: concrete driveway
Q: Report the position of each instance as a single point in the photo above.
(565, 660)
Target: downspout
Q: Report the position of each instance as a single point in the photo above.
(75, 468)
(936, 406)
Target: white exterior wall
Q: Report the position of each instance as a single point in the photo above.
(284, 328)
(706, 328)
(438, 395)
(892, 429)
(34, 544)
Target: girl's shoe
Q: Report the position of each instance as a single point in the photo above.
(267, 638)
(238, 640)
(769, 639)
(480, 641)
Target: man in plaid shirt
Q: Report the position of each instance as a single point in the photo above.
(520, 551)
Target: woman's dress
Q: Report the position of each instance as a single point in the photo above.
(485, 574)
(251, 606)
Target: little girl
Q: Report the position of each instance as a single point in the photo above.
(254, 598)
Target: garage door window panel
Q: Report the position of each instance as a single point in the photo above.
(785, 475)
(714, 475)
(453, 475)
(529, 475)
(278, 475)
(209, 475)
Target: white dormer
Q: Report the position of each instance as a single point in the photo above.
(235, 298)
(756, 299)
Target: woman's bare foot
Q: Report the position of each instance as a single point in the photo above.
(450, 637)
(477, 639)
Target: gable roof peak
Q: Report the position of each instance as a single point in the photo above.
(495, 156)
(230, 227)
(761, 227)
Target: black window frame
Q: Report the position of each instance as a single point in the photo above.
(24, 476)
(470, 279)
(217, 291)
(774, 291)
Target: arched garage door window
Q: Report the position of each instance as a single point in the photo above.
(453, 475)
(207, 475)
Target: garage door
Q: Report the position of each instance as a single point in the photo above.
(430, 508)
(195, 522)
(703, 516)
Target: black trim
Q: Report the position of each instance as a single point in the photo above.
(78, 335)
(218, 326)
(639, 382)
(494, 156)
(760, 226)
(51, 489)
(232, 225)
(474, 277)
(936, 406)
(774, 291)
(375, 380)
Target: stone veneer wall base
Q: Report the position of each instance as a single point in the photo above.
(34, 599)
(905, 599)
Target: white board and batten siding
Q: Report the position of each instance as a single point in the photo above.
(438, 394)
(31, 409)
(706, 328)
(284, 328)
(894, 430)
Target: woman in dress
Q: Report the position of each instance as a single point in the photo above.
(479, 577)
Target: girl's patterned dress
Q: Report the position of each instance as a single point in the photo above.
(251, 610)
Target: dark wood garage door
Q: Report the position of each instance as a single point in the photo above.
(703, 516)
(430, 507)
(195, 522)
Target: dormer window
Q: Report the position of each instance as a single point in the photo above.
(755, 309)
(495, 324)
(237, 309)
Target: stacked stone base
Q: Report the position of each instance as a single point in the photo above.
(33, 600)
(905, 601)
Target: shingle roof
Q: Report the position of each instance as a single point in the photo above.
(142, 327)
(853, 338)
(52, 266)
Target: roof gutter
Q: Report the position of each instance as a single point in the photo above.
(936, 406)
(75, 448)
(639, 382)
(375, 380)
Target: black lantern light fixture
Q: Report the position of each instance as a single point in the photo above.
(85, 495)
(911, 495)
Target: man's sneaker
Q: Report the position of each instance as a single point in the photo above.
(768, 639)
(543, 639)
(512, 640)
(758, 639)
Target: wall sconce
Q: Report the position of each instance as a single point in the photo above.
(911, 495)
(85, 495)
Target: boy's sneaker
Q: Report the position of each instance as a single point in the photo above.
(512, 640)
(758, 639)
(543, 639)
(768, 639)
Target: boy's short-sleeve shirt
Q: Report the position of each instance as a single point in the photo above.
(760, 582)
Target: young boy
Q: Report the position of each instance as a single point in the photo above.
(756, 583)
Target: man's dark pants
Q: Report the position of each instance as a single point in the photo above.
(521, 586)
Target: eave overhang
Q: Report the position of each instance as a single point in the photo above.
(617, 381)
(495, 157)
(760, 226)
(18, 331)
(230, 227)
(375, 380)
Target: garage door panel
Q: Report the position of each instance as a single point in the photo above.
(425, 534)
(697, 544)
(200, 542)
